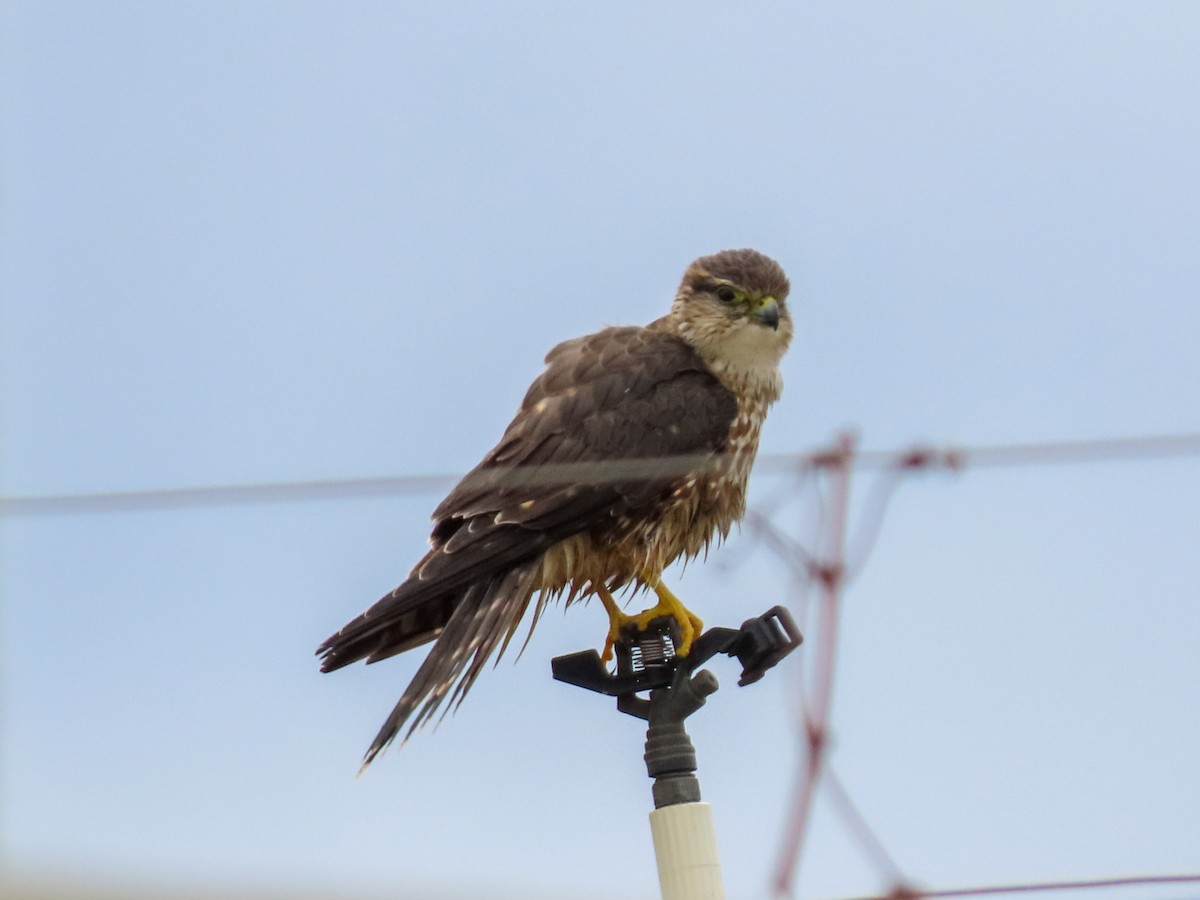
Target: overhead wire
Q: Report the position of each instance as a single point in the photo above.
(948, 457)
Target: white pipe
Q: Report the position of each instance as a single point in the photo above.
(685, 845)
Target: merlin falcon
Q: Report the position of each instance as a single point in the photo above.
(631, 450)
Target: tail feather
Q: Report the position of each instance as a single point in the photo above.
(417, 610)
(484, 614)
(412, 628)
(506, 611)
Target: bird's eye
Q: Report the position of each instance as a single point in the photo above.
(726, 294)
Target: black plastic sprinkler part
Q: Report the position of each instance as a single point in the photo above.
(647, 661)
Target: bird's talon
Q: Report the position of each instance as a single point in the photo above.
(609, 644)
(617, 620)
(692, 628)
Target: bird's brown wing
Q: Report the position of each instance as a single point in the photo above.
(610, 401)
(614, 423)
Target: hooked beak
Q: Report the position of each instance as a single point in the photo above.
(766, 311)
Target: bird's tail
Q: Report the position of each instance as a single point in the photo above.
(484, 618)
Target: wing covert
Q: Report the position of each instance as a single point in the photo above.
(605, 403)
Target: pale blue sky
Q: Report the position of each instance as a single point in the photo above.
(260, 242)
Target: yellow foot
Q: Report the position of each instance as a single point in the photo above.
(617, 620)
(690, 626)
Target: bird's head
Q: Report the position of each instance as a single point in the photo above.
(732, 307)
